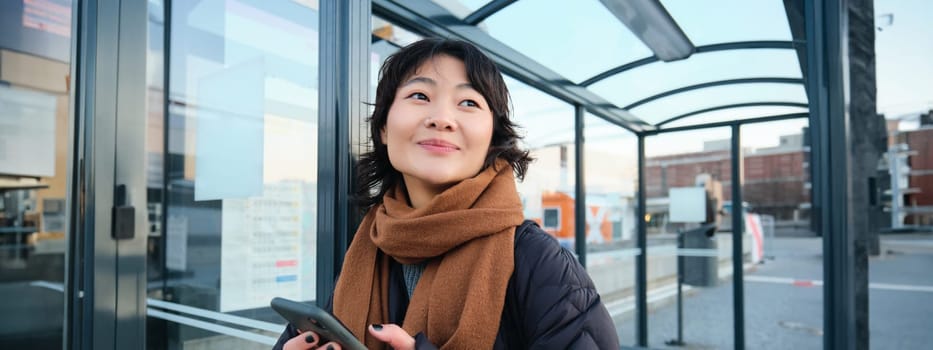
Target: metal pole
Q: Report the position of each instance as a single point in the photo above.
(894, 169)
(641, 261)
(738, 218)
(579, 188)
(680, 295)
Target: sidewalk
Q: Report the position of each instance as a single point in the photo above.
(917, 243)
(784, 301)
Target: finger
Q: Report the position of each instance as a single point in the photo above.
(394, 335)
(303, 341)
(330, 346)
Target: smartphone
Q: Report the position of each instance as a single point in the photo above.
(309, 317)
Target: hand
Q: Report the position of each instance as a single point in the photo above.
(308, 340)
(393, 335)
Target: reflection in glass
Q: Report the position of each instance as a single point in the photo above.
(235, 184)
(35, 54)
(547, 192)
(687, 182)
(611, 170)
(776, 192)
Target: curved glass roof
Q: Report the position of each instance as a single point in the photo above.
(658, 111)
(595, 41)
(461, 8)
(729, 20)
(645, 66)
(648, 80)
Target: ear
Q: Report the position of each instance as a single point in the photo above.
(382, 135)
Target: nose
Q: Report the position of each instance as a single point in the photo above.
(440, 121)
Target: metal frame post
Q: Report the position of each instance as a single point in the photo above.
(343, 88)
(105, 294)
(827, 80)
(79, 189)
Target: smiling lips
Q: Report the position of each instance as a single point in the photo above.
(438, 146)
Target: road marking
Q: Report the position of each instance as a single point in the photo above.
(50, 285)
(818, 283)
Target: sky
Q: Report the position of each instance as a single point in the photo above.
(579, 39)
(903, 52)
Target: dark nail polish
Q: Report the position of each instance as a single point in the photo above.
(309, 339)
(330, 347)
(377, 327)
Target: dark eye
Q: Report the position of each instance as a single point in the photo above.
(469, 103)
(418, 96)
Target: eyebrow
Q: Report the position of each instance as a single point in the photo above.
(431, 82)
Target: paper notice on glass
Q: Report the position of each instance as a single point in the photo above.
(688, 204)
(27, 132)
(261, 255)
(176, 243)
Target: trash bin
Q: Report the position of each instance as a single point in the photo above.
(699, 270)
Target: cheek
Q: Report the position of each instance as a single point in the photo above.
(391, 127)
(482, 137)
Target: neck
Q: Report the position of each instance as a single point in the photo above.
(420, 193)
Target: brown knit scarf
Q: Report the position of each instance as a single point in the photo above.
(466, 235)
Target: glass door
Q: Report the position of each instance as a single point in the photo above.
(35, 53)
(231, 159)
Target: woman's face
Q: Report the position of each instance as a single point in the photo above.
(439, 128)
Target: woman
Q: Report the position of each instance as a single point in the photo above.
(442, 253)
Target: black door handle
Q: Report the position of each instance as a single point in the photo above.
(123, 219)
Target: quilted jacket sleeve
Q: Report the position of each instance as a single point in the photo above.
(561, 307)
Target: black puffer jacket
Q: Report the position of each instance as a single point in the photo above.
(550, 303)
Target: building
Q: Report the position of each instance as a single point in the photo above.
(918, 199)
(776, 179)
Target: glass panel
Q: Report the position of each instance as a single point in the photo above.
(391, 38)
(735, 20)
(547, 192)
(236, 224)
(901, 293)
(675, 105)
(201, 339)
(35, 54)
(563, 34)
(611, 169)
(645, 81)
(687, 180)
(783, 300)
(461, 8)
(387, 31)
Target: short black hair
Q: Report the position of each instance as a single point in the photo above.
(375, 174)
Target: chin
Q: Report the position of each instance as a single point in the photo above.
(441, 180)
